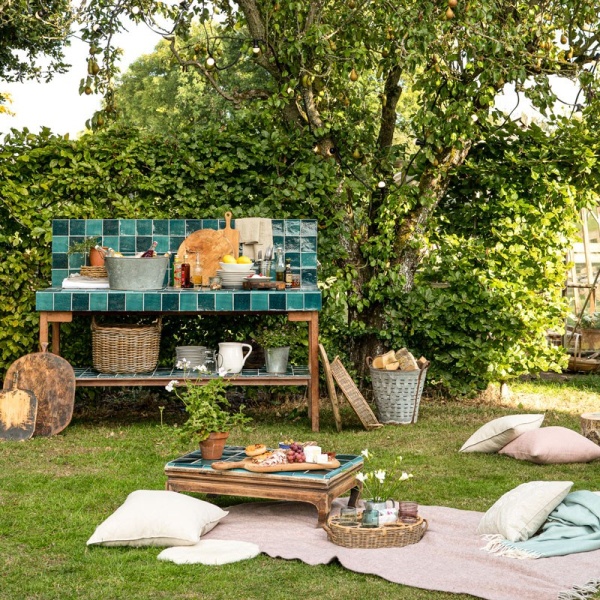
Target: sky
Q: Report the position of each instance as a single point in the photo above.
(57, 104)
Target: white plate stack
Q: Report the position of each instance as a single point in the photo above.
(233, 281)
(194, 355)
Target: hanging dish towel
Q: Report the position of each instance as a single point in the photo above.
(255, 235)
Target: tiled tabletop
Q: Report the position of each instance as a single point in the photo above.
(193, 460)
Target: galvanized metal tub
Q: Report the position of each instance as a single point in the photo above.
(130, 273)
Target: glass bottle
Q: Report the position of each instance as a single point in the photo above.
(151, 252)
(196, 272)
(288, 273)
(185, 272)
(279, 265)
(177, 261)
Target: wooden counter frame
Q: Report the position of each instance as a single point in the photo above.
(51, 320)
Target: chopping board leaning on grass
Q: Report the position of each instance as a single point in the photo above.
(52, 380)
(18, 409)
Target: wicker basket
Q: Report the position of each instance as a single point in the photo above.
(93, 271)
(397, 394)
(125, 348)
(389, 536)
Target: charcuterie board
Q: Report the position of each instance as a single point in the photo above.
(258, 468)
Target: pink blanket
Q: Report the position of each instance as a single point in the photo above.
(449, 558)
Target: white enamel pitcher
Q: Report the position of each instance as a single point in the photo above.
(231, 356)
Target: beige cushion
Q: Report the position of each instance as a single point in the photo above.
(552, 445)
(157, 518)
(210, 552)
(499, 432)
(518, 514)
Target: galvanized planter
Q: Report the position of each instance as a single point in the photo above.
(130, 273)
(276, 359)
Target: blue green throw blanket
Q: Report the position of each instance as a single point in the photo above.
(573, 526)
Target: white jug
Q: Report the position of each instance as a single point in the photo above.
(231, 356)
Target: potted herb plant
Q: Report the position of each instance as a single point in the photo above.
(274, 337)
(209, 415)
(87, 248)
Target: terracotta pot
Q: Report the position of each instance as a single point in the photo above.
(96, 259)
(212, 447)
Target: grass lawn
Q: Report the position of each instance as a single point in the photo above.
(55, 491)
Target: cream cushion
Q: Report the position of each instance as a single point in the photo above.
(157, 518)
(519, 513)
(211, 552)
(552, 445)
(499, 432)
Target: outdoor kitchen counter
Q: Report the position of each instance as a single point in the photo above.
(56, 305)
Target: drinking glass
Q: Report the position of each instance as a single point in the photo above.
(370, 517)
(348, 517)
(408, 512)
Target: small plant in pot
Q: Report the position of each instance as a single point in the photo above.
(210, 418)
(275, 337)
(87, 248)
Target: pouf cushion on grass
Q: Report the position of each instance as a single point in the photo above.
(552, 445)
(157, 518)
(211, 552)
(494, 435)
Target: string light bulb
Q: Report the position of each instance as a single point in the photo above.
(255, 47)
(381, 185)
(210, 62)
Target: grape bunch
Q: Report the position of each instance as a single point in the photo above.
(295, 454)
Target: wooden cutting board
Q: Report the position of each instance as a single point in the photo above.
(18, 410)
(232, 235)
(212, 246)
(52, 381)
(258, 468)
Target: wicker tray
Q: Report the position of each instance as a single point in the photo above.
(124, 348)
(93, 272)
(389, 536)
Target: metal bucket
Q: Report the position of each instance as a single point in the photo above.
(130, 273)
(277, 359)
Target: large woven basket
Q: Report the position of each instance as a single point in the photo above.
(389, 536)
(125, 348)
(397, 394)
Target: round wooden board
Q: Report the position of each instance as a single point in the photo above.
(212, 246)
(52, 380)
(331, 388)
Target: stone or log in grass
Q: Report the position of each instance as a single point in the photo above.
(590, 426)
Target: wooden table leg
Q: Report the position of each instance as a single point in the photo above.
(354, 496)
(52, 319)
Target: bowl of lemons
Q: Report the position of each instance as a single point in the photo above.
(230, 264)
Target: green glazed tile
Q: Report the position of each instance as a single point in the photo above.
(292, 227)
(144, 227)
(188, 301)
(93, 227)
(77, 227)
(126, 244)
(163, 243)
(277, 301)
(116, 301)
(259, 301)
(81, 301)
(112, 241)
(44, 301)
(110, 227)
(206, 301)
(308, 227)
(224, 301)
(295, 301)
(127, 226)
(60, 243)
(152, 301)
(60, 227)
(98, 301)
(62, 301)
(308, 260)
(160, 227)
(241, 301)
(134, 301)
(170, 301)
(58, 275)
(312, 301)
(177, 227)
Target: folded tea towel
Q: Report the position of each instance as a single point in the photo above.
(78, 282)
(256, 234)
(573, 526)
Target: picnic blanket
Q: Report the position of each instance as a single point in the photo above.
(449, 558)
(573, 526)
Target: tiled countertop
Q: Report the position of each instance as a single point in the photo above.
(178, 300)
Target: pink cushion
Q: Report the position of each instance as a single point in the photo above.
(552, 445)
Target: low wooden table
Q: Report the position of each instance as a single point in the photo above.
(190, 473)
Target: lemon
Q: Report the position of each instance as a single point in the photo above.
(243, 260)
(228, 259)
